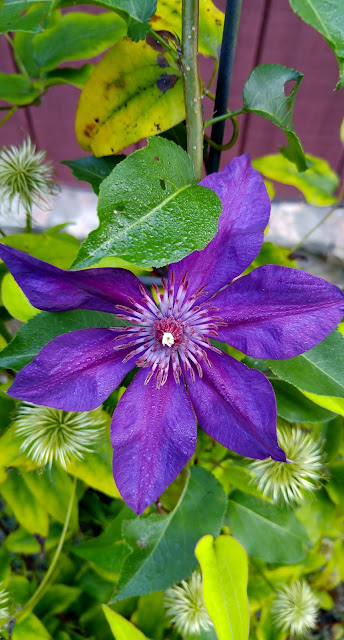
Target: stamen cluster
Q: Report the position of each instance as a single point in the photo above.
(175, 332)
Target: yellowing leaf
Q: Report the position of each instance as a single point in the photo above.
(169, 16)
(121, 628)
(27, 510)
(15, 300)
(224, 567)
(128, 97)
(95, 469)
(328, 402)
(317, 184)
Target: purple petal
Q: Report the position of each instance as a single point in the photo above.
(52, 289)
(277, 312)
(75, 372)
(236, 406)
(245, 215)
(153, 434)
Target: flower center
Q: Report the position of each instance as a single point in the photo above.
(174, 333)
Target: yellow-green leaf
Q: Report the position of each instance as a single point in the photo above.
(224, 567)
(317, 184)
(95, 469)
(327, 402)
(30, 628)
(168, 17)
(27, 510)
(121, 628)
(128, 97)
(15, 300)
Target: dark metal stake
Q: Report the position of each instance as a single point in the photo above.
(229, 40)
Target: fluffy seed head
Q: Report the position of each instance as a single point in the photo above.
(289, 481)
(185, 606)
(25, 179)
(295, 609)
(4, 610)
(53, 435)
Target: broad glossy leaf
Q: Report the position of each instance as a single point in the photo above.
(121, 628)
(169, 541)
(93, 170)
(326, 16)
(12, 17)
(30, 628)
(292, 405)
(15, 301)
(331, 404)
(75, 36)
(45, 326)
(17, 89)
(95, 469)
(108, 550)
(168, 17)
(149, 210)
(128, 97)
(319, 370)
(267, 532)
(317, 184)
(27, 510)
(264, 95)
(224, 565)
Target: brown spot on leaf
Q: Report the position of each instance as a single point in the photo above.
(166, 82)
(162, 62)
(89, 129)
(157, 125)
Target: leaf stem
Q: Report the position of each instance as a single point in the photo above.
(29, 606)
(321, 222)
(8, 115)
(192, 88)
(229, 40)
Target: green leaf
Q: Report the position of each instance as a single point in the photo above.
(169, 541)
(69, 75)
(332, 436)
(75, 36)
(93, 170)
(169, 17)
(27, 510)
(45, 326)
(17, 89)
(30, 628)
(319, 370)
(108, 550)
(150, 615)
(327, 18)
(133, 92)
(335, 484)
(57, 599)
(293, 406)
(264, 95)
(267, 532)
(20, 541)
(224, 567)
(12, 17)
(52, 488)
(95, 469)
(318, 183)
(160, 216)
(121, 627)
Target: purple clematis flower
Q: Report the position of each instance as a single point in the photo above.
(274, 312)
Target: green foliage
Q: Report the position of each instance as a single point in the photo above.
(169, 541)
(318, 183)
(319, 370)
(74, 36)
(12, 17)
(224, 567)
(264, 95)
(327, 19)
(17, 89)
(268, 532)
(293, 406)
(149, 210)
(122, 629)
(93, 170)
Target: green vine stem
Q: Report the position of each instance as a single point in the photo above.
(29, 606)
(192, 87)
